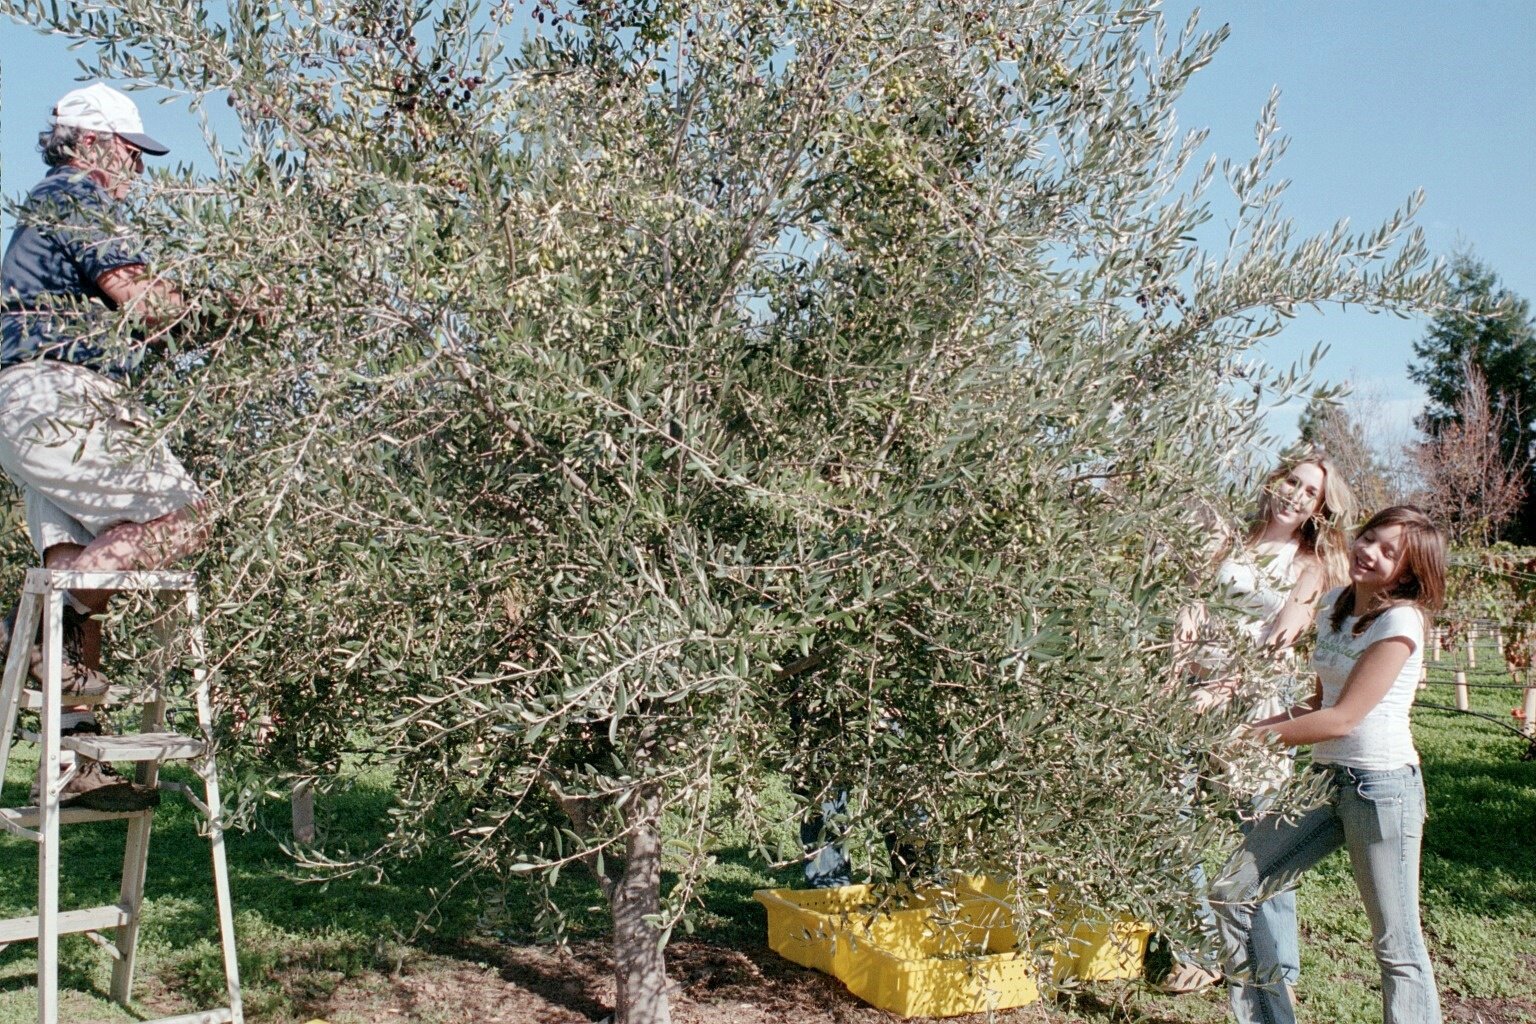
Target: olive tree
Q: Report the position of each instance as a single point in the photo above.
(654, 401)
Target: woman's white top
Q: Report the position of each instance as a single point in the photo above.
(1382, 741)
(1256, 584)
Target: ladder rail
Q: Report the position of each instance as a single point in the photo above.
(202, 683)
(136, 849)
(48, 807)
(130, 895)
(17, 669)
(42, 603)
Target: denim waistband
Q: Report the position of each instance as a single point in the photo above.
(1343, 773)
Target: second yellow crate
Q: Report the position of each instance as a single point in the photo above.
(918, 956)
(937, 955)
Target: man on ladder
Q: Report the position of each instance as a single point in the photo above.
(97, 498)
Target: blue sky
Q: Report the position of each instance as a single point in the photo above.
(1378, 98)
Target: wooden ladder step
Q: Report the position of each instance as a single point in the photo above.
(30, 817)
(89, 919)
(139, 746)
(222, 1015)
(32, 700)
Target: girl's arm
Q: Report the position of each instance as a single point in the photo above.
(1186, 646)
(1292, 620)
(1306, 707)
(1368, 682)
(1193, 617)
(1295, 617)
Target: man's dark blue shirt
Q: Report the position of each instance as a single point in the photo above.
(65, 240)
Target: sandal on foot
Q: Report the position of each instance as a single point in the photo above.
(1186, 978)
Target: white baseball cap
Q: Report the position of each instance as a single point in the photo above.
(101, 108)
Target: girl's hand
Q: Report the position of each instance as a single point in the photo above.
(1188, 623)
(1205, 699)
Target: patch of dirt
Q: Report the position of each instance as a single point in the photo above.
(1460, 1009)
(485, 983)
(1486, 1010)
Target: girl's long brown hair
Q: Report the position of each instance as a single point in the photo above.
(1420, 579)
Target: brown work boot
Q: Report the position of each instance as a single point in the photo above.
(97, 786)
(75, 679)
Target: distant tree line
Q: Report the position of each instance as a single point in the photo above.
(1471, 468)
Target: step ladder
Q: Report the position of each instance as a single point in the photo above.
(43, 600)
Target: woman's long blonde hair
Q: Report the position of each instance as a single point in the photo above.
(1325, 536)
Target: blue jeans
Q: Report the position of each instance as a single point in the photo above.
(826, 853)
(1273, 940)
(1379, 817)
(1274, 948)
(821, 835)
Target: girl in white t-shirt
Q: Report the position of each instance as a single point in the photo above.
(1370, 645)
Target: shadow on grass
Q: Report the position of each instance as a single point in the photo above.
(1480, 842)
(284, 922)
(551, 980)
(291, 930)
(730, 916)
(75, 956)
(1480, 855)
(1102, 1006)
(263, 878)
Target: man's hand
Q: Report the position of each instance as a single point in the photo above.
(134, 291)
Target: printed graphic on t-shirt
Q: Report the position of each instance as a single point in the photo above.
(1334, 647)
(1382, 740)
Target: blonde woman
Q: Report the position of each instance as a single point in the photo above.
(1294, 550)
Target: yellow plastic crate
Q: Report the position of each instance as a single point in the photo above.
(937, 983)
(917, 958)
(1098, 948)
(806, 925)
(934, 956)
(1103, 950)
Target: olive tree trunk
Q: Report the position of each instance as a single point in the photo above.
(638, 945)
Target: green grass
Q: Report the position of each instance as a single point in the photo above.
(299, 940)
(287, 928)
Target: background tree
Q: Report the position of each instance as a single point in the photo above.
(1471, 485)
(698, 395)
(1331, 425)
(1489, 328)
